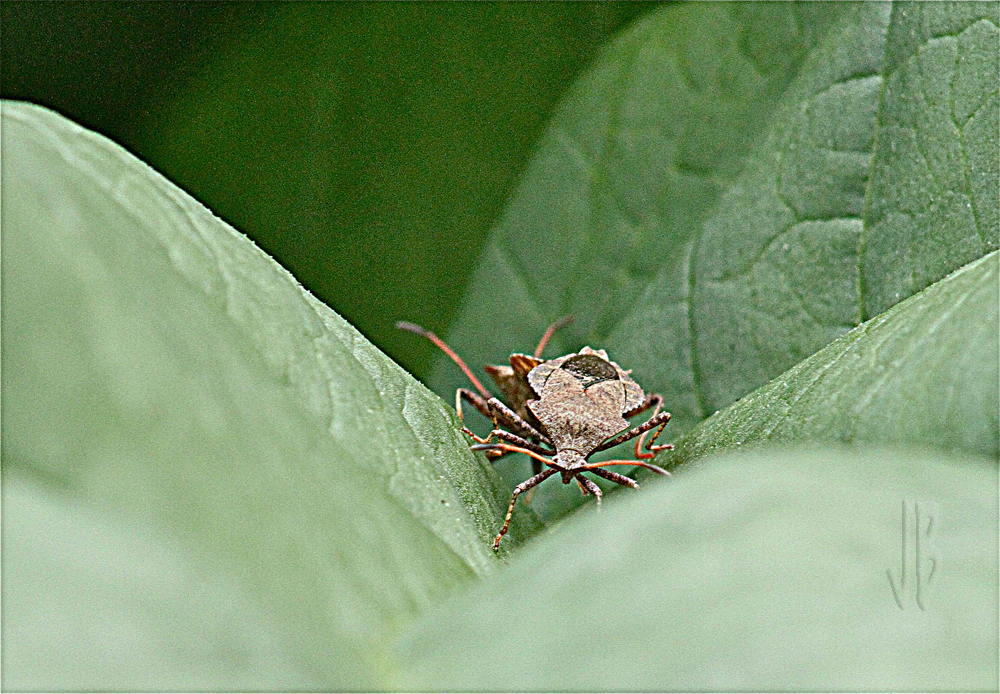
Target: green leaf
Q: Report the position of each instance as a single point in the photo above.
(924, 372)
(934, 196)
(165, 383)
(172, 622)
(733, 187)
(767, 571)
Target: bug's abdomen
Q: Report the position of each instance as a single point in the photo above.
(576, 422)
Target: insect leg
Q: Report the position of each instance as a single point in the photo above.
(659, 419)
(474, 400)
(589, 487)
(504, 415)
(517, 440)
(507, 448)
(480, 404)
(536, 467)
(524, 486)
(650, 445)
(507, 417)
(615, 477)
(604, 463)
(561, 323)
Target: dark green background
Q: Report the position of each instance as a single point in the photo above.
(368, 147)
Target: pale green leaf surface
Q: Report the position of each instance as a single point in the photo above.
(161, 369)
(762, 571)
(176, 623)
(731, 188)
(927, 372)
(718, 197)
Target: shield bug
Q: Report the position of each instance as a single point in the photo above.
(561, 412)
(583, 400)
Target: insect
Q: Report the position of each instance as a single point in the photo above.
(582, 406)
(578, 404)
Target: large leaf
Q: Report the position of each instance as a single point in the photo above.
(165, 382)
(925, 372)
(211, 475)
(732, 187)
(776, 569)
(770, 571)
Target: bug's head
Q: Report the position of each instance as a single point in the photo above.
(566, 460)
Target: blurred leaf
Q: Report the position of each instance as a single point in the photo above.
(925, 372)
(706, 195)
(213, 481)
(170, 621)
(369, 146)
(759, 572)
(630, 171)
(162, 378)
(108, 67)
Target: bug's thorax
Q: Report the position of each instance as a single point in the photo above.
(581, 400)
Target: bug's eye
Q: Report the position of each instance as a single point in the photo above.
(590, 369)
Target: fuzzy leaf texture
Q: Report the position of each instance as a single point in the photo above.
(763, 571)
(181, 421)
(925, 372)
